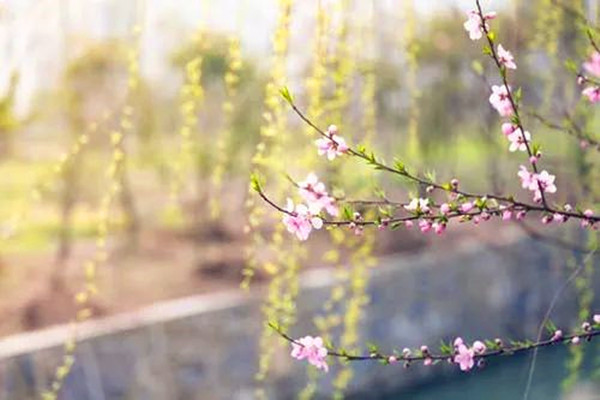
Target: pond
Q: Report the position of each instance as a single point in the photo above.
(505, 379)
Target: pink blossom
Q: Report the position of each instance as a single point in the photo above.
(518, 140)
(558, 218)
(520, 215)
(592, 93)
(458, 341)
(476, 220)
(392, 359)
(584, 144)
(312, 349)
(424, 225)
(506, 58)
(588, 213)
(508, 128)
(500, 100)
(479, 347)
(507, 215)
(527, 178)
(445, 209)
(485, 216)
(596, 318)
(546, 182)
(558, 334)
(418, 206)
(466, 207)
(438, 227)
(406, 352)
(300, 220)
(474, 25)
(592, 66)
(315, 194)
(332, 145)
(586, 326)
(408, 224)
(575, 340)
(464, 357)
(428, 361)
(580, 80)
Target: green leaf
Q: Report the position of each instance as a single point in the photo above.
(518, 95)
(571, 65)
(399, 166)
(348, 212)
(550, 327)
(373, 348)
(255, 182)
(285, 93)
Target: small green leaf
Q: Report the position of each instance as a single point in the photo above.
(518, 95)
(396, 225)
(285, 93)
(571, 65)
(255, 183)
(348, 212)
(373, 348)
(399, 166)
(550, 327)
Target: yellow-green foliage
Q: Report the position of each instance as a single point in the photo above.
(360, 247)
(231, 79)
(411, 51)
(283, 264)
(548, 29)
(585, 296)
(39, 231)
(191, 96)
(265, 158)
(315, 88)
(114, 171)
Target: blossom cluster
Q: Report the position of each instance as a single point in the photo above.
(312, 349)
(301, 219)
(332, 145)
(537, 182)
(460, 353)
(464, 355)
(474, 24)
(592, 66)
(502, 100)
(431, 217)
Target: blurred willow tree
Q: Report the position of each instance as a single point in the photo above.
(9, 123)
(245, 115)
(87, 92)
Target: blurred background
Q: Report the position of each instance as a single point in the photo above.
(128, 132)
